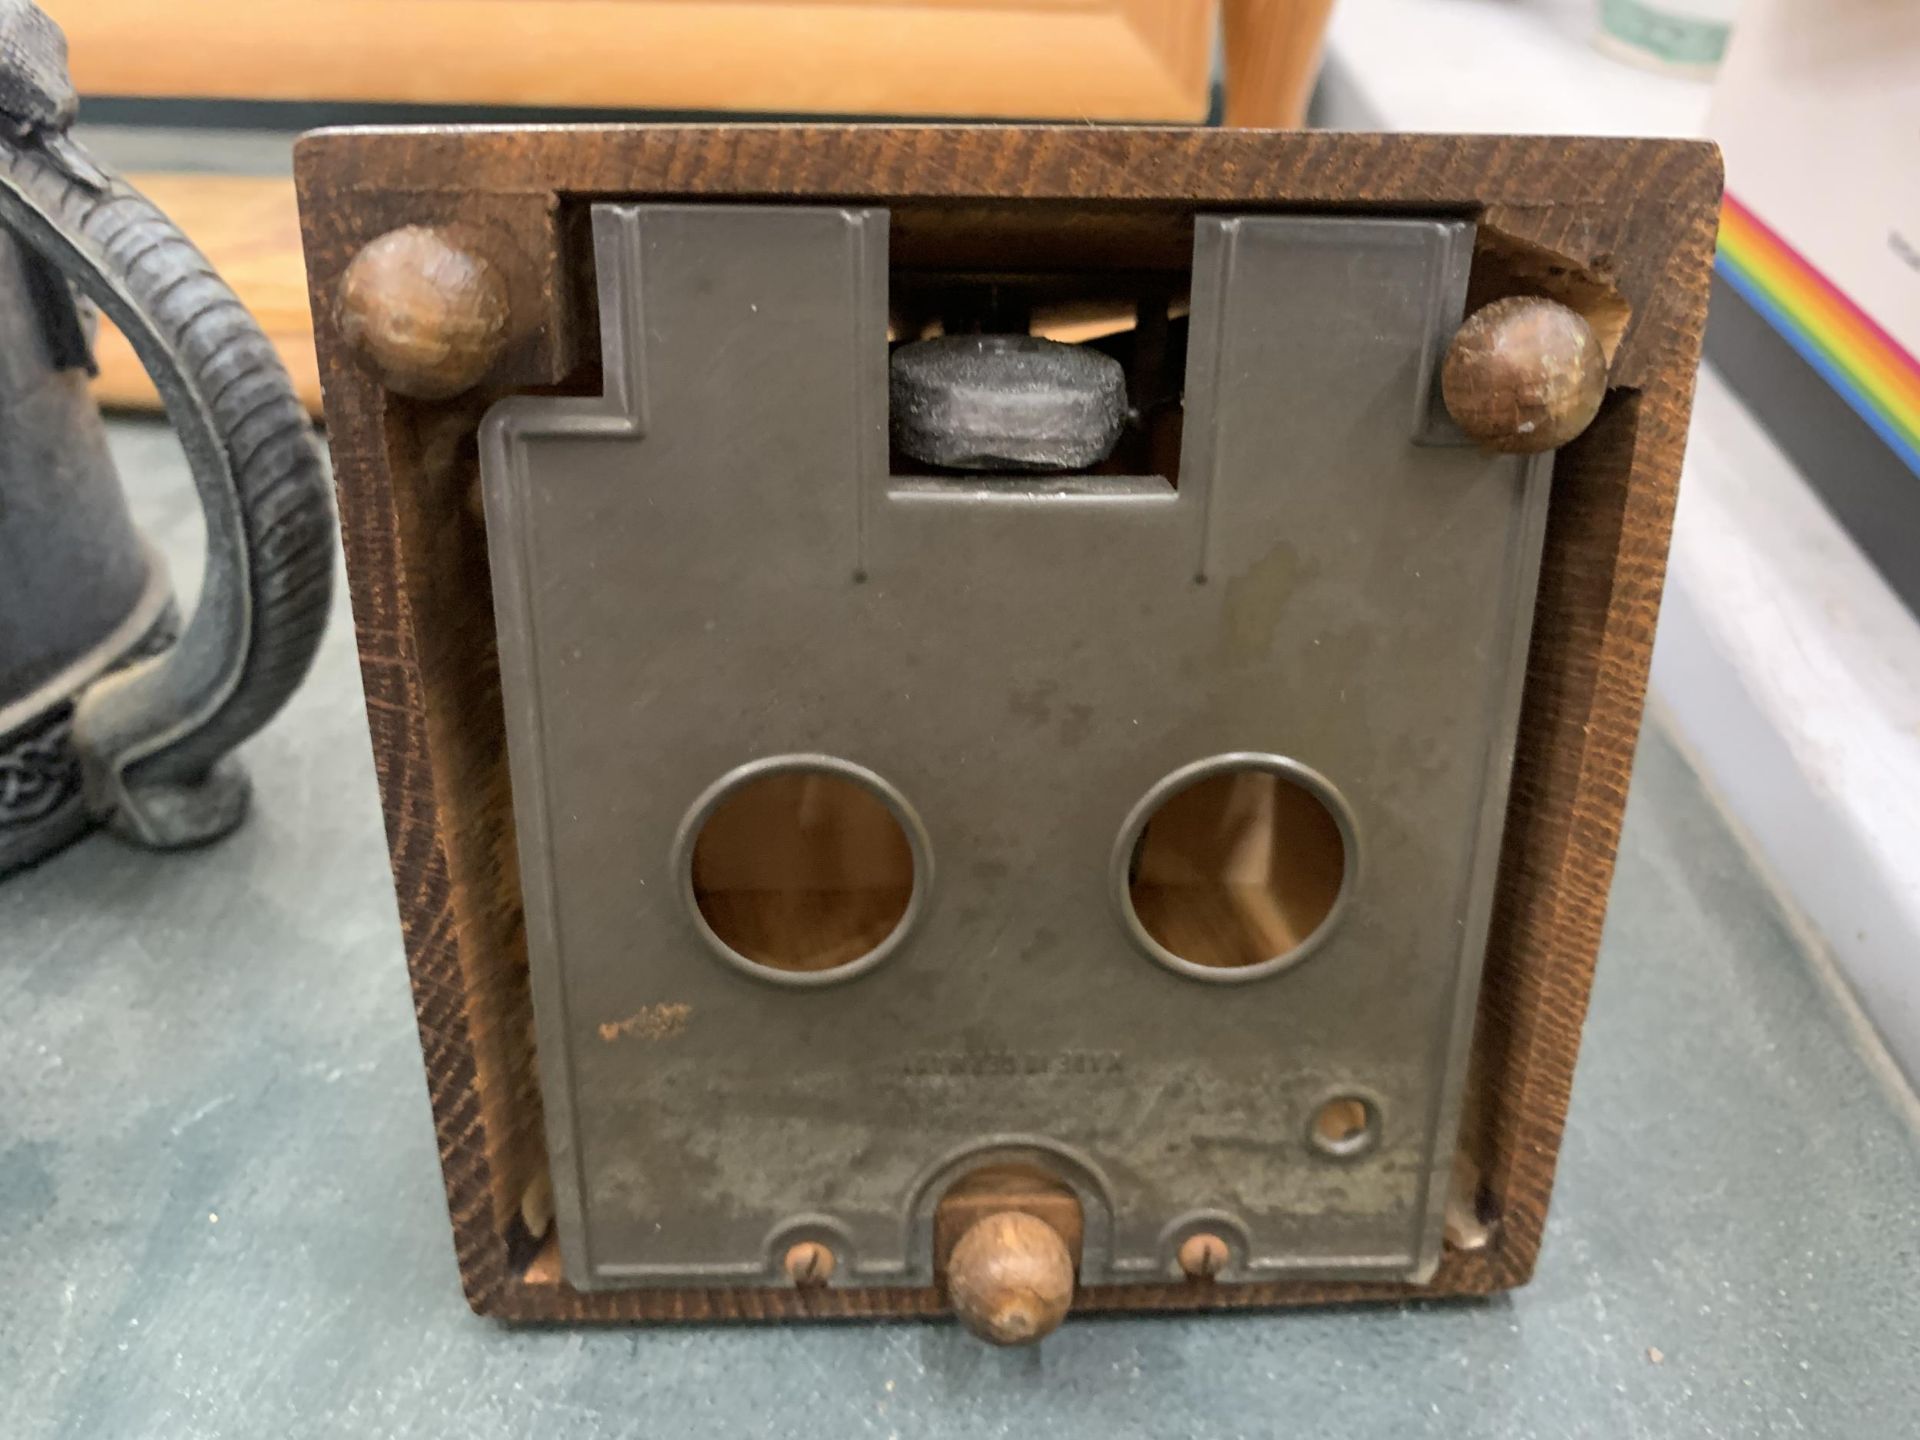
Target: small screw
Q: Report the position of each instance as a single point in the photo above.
(809, 1264)
(1204, 1256)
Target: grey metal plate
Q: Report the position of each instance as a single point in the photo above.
(712, 566)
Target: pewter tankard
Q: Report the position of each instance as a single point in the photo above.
(111, 711)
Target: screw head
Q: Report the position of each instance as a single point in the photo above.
(809, 1264)
(1204, 1256)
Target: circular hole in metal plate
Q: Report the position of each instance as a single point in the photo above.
(1235, 867)
(803, 869)
(1345, 1126)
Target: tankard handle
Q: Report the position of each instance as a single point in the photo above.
(154, 736)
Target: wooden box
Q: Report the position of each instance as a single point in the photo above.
(486, 292)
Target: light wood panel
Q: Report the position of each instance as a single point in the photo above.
(1042, 59)
(1273, 56)
(249, 227)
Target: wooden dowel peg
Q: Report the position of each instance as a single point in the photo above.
(1524, 375)
(426, 314)
(1010, 1278)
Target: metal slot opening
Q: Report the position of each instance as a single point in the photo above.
(802, 870)
(1084, 370)
(1236, 871)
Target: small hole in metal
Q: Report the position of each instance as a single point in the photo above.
(1345, 1126)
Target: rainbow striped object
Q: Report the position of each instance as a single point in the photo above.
(1871, 370)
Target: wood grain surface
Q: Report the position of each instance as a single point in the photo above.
(1010, 1278)
(1272, 52)
(1524, 375)
(1033, 59)
(1626, 225)
(426, 314)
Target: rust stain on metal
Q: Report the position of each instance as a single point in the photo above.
(650, 1022)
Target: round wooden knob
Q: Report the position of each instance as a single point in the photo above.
(1524, 375)
(429, 317)
(1010, 1278)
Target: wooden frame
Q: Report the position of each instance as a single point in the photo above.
(1620, 229)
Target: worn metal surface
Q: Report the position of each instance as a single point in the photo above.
(689, 583)
(62, 513)
(35, 90)
(78, 588)
(152, 735)
(229, 1033)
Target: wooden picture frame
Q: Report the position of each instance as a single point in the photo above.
(1621, 230)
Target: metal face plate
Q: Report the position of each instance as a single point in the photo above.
(711, 567)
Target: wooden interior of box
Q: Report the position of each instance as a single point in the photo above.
(1623, 230)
